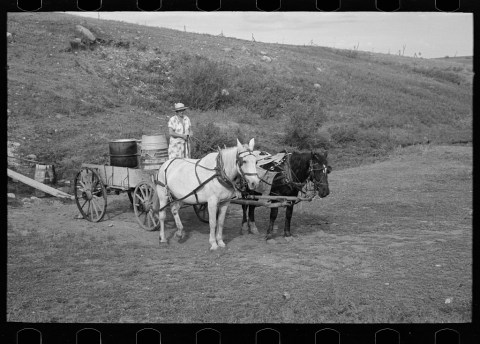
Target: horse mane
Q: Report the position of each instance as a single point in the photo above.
(229, 158)
(299, 164)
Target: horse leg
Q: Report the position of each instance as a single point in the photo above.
(244, 219)
(273, 217)
(163, 200)
(212, 220)
(288, 219)
(251, 220)
(222, 211)
(175, 206)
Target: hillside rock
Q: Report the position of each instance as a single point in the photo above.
(9, 37)
(263, 53)
(85, 34)
(316, 85)
(227, 50)
(266, 59)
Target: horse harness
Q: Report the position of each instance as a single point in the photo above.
(289, 176)
(219, 174)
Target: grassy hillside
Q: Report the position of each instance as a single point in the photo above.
(65, 106)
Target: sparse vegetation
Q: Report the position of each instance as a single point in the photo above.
(304, 121)
(128, 83)
(200, 81)
(208, 138)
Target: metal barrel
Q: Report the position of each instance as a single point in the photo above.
(123, 153)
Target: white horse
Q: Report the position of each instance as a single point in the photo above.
(208, 180)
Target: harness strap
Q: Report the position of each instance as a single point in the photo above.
(194, 192)
(219, 174)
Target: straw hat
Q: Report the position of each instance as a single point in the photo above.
(180, 107)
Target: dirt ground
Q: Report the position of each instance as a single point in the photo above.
(391, 243)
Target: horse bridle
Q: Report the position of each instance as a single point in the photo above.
(241, 160)
(312, 169)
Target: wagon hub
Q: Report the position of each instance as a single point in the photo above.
(87, 194)
(147, 206)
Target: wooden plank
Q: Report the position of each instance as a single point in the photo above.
(37, 185)
(261, 203)
(121, 177)
(279, 198)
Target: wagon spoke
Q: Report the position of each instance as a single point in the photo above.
(88, 210)
(94, 207)
(86, 200)
(142, 189)
(83, 185)
(152, 219)
(149, 194)
(140, 197)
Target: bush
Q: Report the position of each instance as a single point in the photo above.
(303, 121)
(208, 137)
(198, 82)
(263, 95)
(351, 135)
(343, 134)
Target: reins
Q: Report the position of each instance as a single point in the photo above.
(220, 174)
(293, 181)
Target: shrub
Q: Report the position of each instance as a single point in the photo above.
(260, 94)
(439, 74)
(199, 82)
(351, 135)
(208, 137)
(303, 121)
(343, 134)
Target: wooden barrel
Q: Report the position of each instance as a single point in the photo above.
(154, 151)
(123, 153)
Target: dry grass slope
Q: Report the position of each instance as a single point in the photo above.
(65, 106)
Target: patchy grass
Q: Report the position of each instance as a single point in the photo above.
(66, 106)
(390, 244)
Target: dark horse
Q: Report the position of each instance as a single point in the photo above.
(293, 174)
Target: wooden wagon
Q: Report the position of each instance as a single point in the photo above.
(93, 183)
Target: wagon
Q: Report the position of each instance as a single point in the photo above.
(93, 183)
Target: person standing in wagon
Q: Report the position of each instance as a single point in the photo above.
(180, 130)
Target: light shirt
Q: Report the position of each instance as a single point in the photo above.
(177, 144)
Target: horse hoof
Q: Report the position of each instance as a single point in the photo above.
(164, 241)
(254, 231)
(289, 238)
(213, 248)
(221, 243)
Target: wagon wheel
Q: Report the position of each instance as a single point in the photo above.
(202, 211)
(145, 205)
(90, 195)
